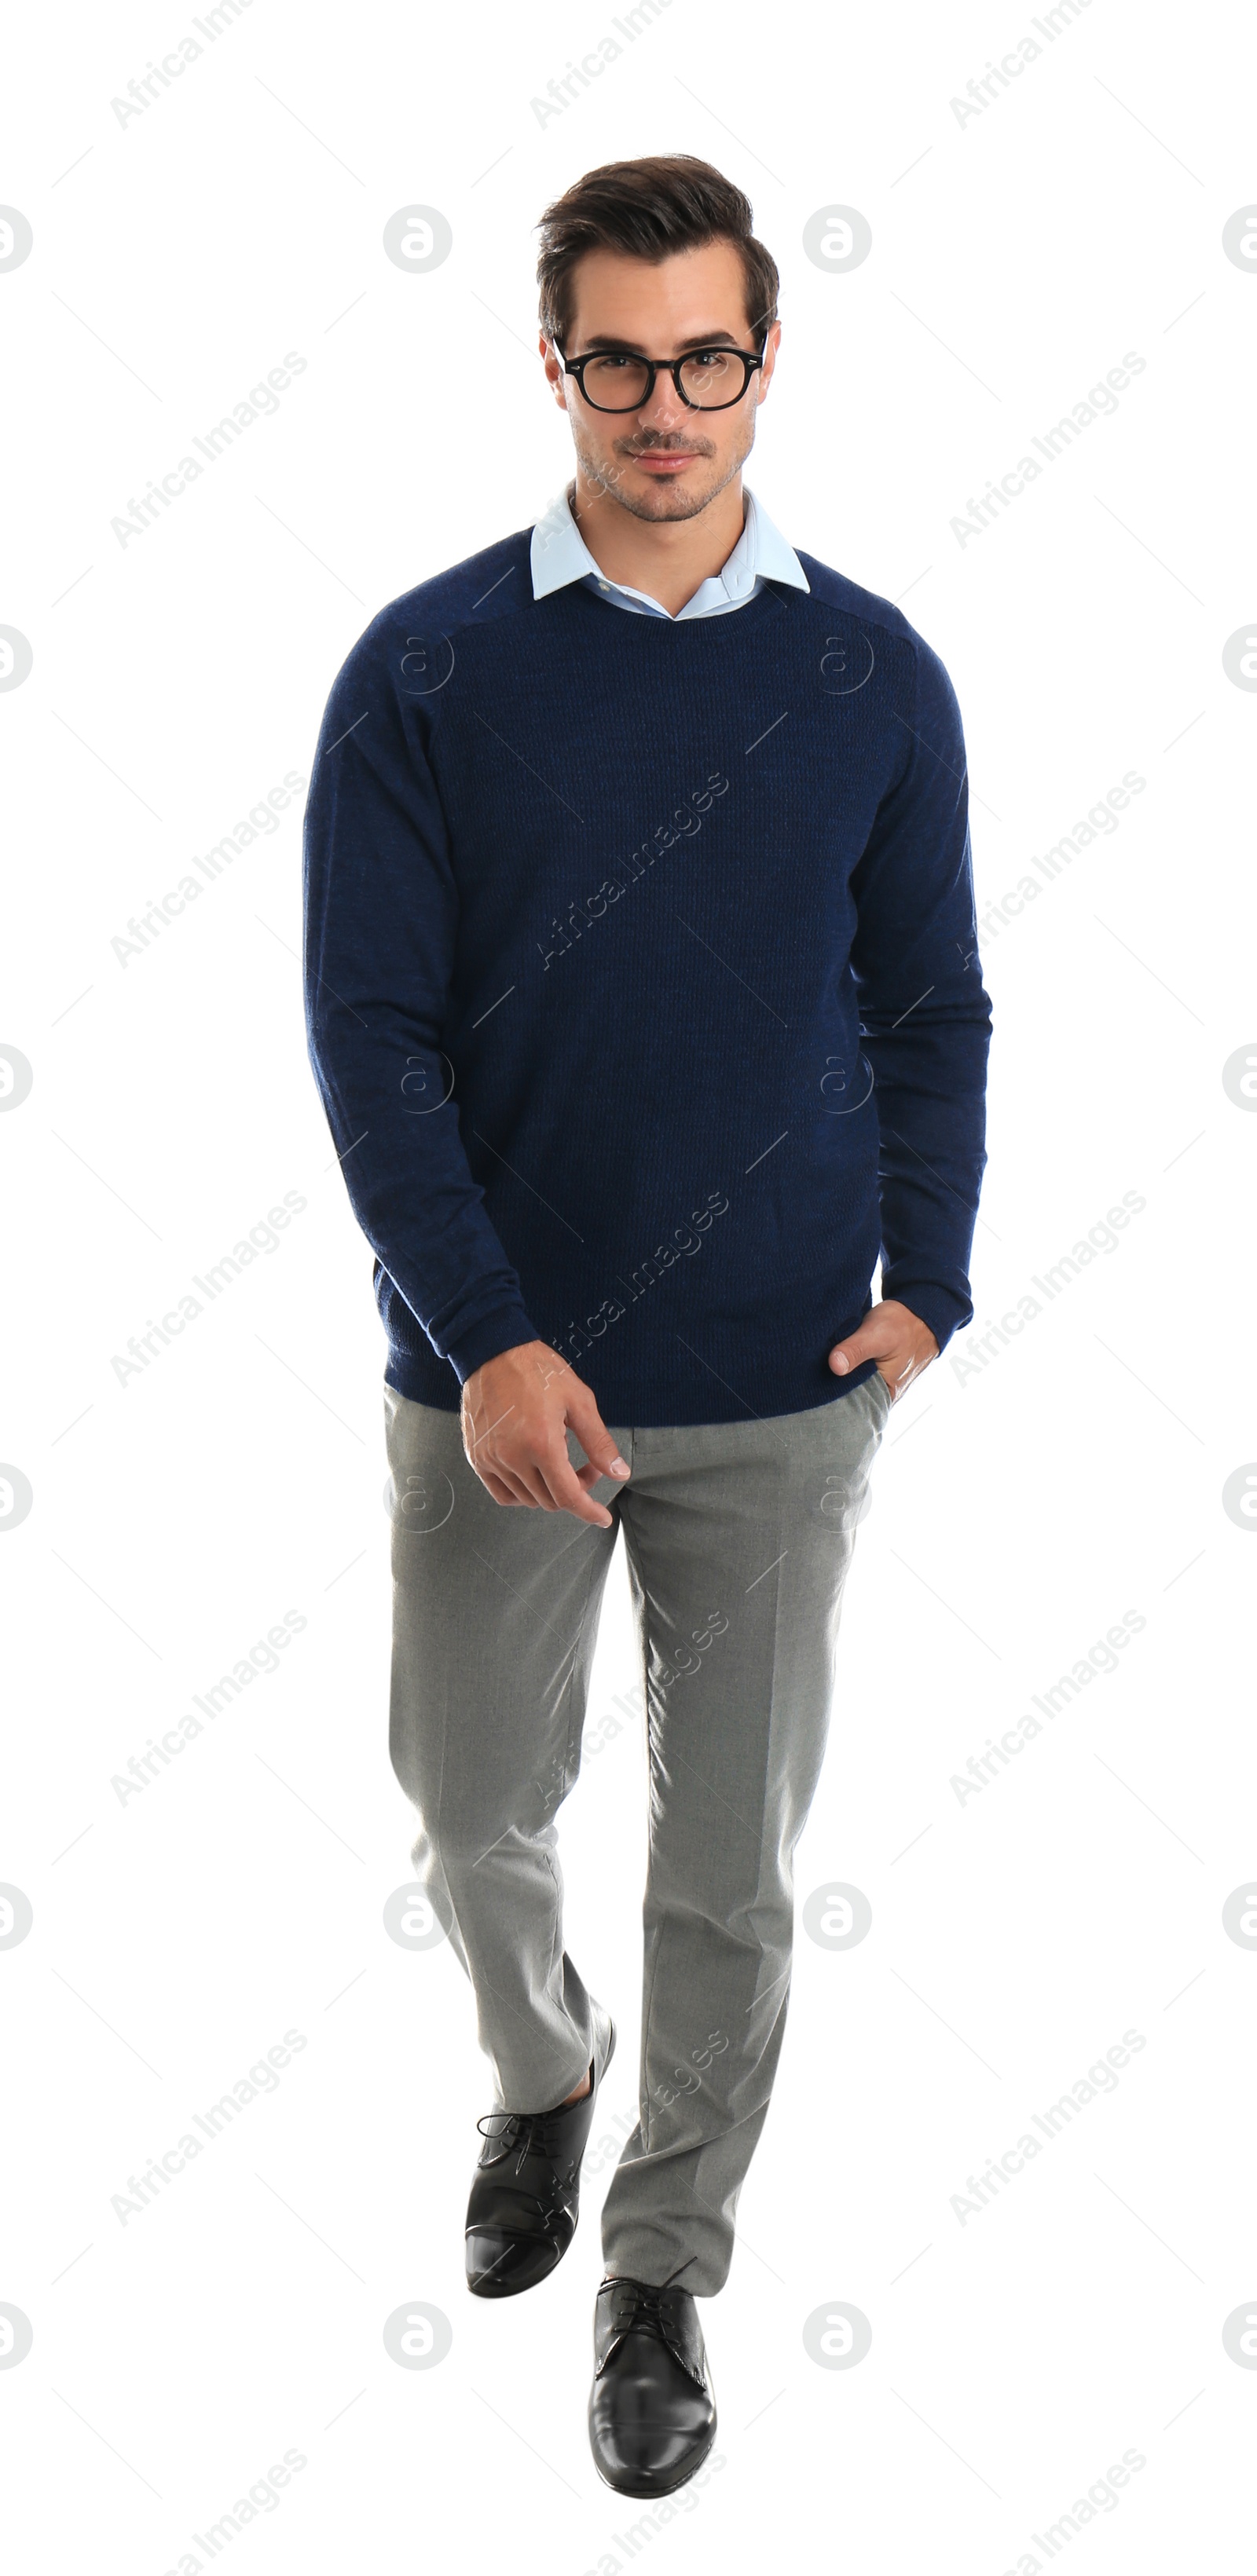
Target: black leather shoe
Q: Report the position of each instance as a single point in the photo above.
(525, 2193)
(652, 2416)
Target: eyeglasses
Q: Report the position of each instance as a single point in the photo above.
(612, 380)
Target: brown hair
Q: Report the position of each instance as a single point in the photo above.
(649, 208)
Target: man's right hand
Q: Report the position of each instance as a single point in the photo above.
(516, 1409)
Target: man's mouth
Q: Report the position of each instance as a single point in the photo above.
(663, 460)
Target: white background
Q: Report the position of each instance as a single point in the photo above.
(1021, 1508)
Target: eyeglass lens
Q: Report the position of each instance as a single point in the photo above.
(614, 382)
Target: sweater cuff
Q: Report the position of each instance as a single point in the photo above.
(503, 1330)
(938, 1307)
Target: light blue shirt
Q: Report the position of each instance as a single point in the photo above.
(559, 555)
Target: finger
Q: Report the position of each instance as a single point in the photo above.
(914, 1362)
(514, 1483)
(478, 1430)
(533, 1474)
(850, 1354)
(529, 1486)
(500, 1492)
(593, 1435)
(569, 1495)
(478, 1438)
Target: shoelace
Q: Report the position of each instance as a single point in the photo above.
(529, 2129)
(642, 2311)
(639, 2307)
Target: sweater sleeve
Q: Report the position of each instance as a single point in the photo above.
(925, 1016)
(381, 912)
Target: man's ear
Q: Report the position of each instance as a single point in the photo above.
(770, 360)
(554, 372)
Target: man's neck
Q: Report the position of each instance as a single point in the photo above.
(667, 558)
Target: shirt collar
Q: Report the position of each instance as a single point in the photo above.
(559, 555)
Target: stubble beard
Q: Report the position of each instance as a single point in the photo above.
(667, 501)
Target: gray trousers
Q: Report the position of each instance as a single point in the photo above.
(738, 1537)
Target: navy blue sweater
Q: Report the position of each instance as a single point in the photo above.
(642, 985)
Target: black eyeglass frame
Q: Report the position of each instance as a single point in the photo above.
(656, 366)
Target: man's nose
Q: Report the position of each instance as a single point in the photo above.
(665, 410)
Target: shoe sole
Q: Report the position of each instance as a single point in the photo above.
(519, 2289)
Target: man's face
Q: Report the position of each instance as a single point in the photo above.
(665, 461)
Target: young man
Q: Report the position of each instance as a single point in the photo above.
(644, 999)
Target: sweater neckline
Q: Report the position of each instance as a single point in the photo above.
(767, 602)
